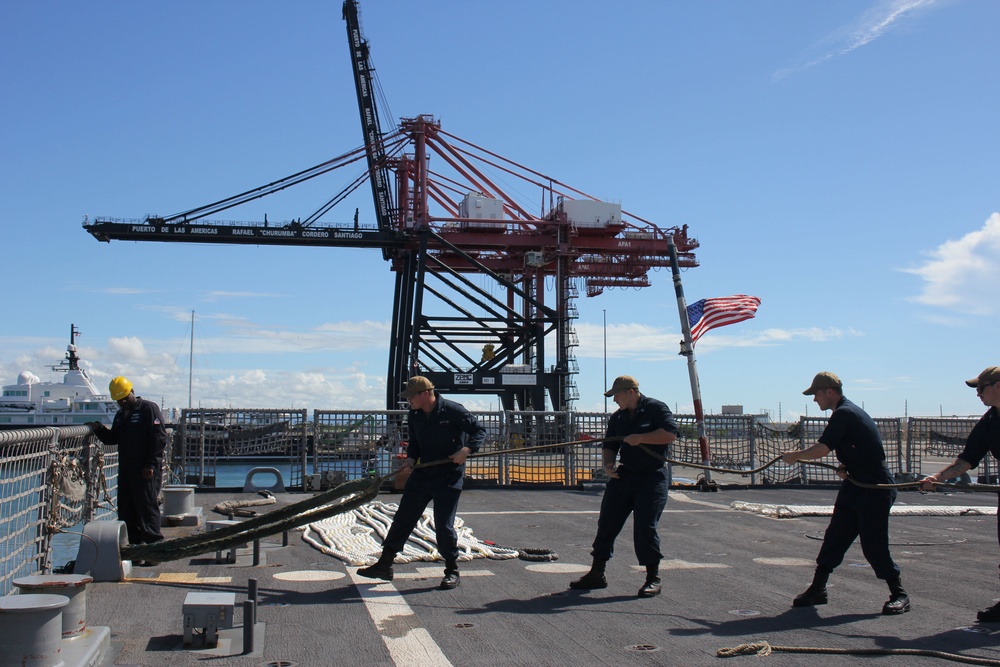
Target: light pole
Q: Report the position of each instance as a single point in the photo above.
(605, 359)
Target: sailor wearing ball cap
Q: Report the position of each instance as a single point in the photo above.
(985, 437)
(854, 437)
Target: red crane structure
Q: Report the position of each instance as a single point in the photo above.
(471, 260)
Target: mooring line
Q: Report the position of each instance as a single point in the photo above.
(762, 648)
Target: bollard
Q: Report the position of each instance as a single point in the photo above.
(31, 630)
(256, 552)
(73, 586)
(178, 499)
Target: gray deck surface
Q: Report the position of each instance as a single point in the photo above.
(729, 579)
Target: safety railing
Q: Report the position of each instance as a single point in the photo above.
(941, 440)
(51, 479)
(205, 436)
(351, 443)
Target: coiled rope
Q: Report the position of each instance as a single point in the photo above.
(351, 537)
(762, 648)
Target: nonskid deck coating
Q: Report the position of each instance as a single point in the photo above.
(729, 577)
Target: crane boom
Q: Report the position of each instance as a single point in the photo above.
(374, 142)
(205, 231)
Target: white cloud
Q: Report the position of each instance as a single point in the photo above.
(961, 275)
(870, 26)
(129, 349)
(641, 341)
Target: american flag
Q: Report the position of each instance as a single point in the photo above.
(720, 311)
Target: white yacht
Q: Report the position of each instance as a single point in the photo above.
(75, 400)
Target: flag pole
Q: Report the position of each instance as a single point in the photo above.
(687, 350)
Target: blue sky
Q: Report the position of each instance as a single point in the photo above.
(838, 160)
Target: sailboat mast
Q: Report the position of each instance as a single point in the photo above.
(191, 361)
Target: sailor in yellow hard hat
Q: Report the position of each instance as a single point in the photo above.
(141, 438)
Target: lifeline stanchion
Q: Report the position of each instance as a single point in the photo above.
(249, 621)
(252, 595)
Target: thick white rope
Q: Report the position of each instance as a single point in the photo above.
(355, 537)
(793, 511)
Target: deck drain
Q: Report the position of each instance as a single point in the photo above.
(279, 663)
(644, 648)
(273, 604)
(976, 629)
(464, 626)
(558, 594)
(744, 612)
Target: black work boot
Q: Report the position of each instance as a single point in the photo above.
(899, 601)
(451, 579)
(652, 586)
(381, 569)
(991, 615)
(593, 579)
(816, 593)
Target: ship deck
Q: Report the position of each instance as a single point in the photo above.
(729, 579)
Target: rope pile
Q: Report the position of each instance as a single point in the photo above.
(351, 537)
(240, 507)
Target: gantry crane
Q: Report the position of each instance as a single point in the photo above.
(470, 260)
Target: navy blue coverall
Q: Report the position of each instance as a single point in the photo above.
(642, 484)
(435, 436)
(853, 436)
(985, 437)
(141, 439)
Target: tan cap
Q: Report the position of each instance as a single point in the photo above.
(622, 383)
(824, 380)
(991, 374)
(415, 385)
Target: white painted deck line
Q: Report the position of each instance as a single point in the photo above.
(408, 641)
